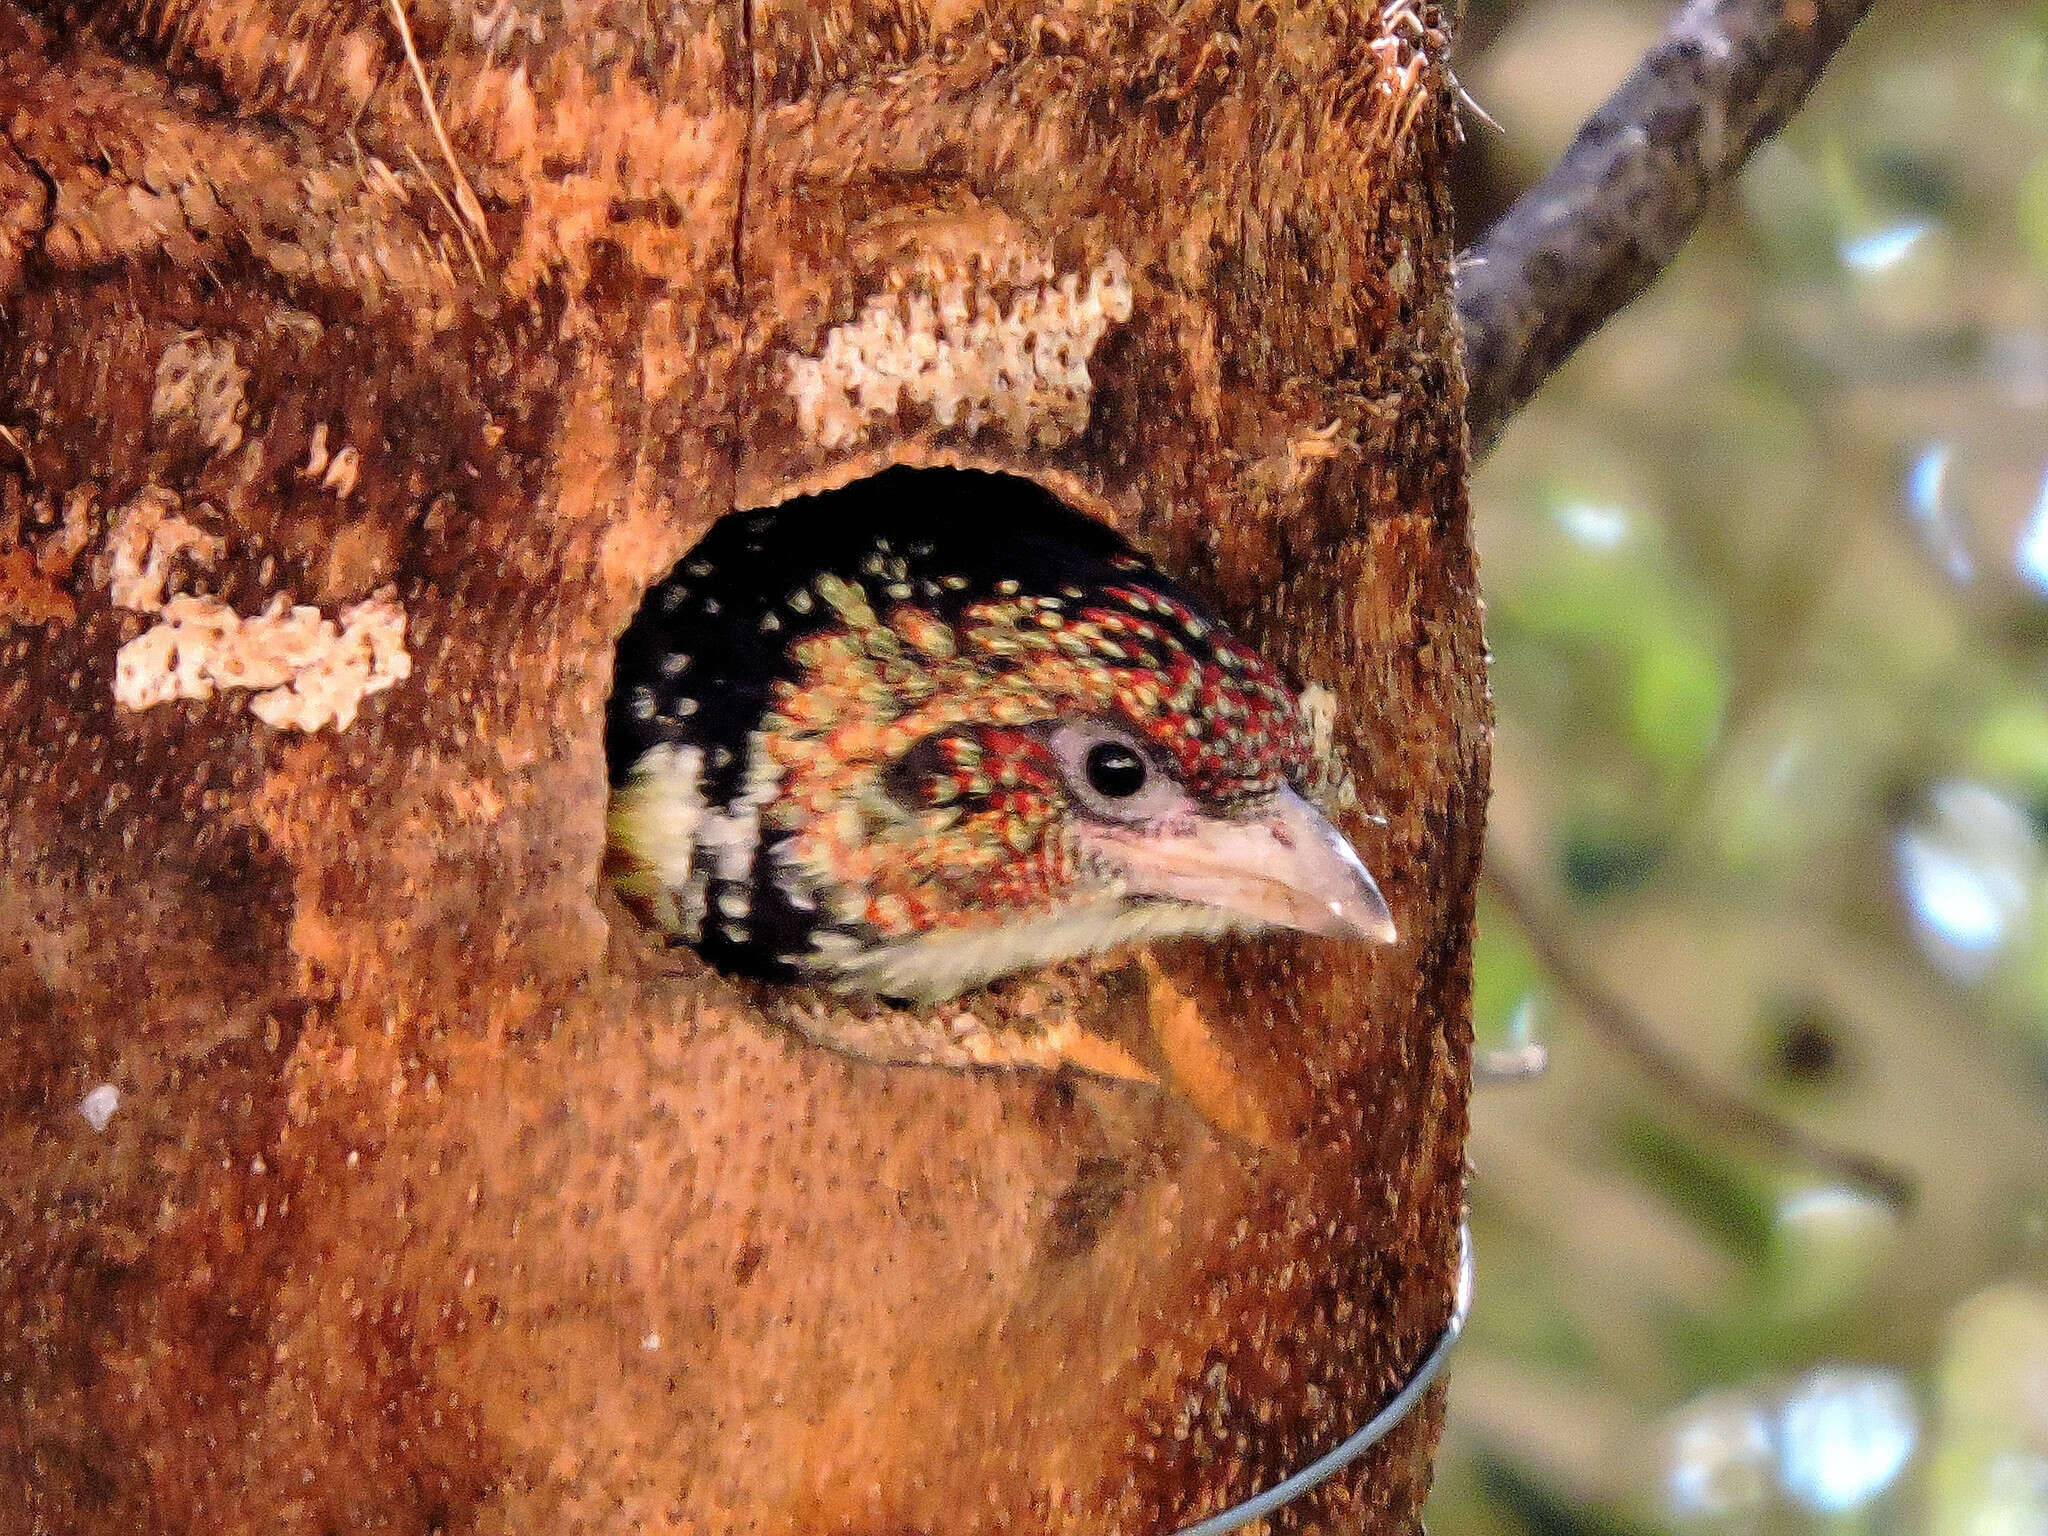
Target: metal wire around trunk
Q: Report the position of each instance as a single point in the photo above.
(1376, 1429)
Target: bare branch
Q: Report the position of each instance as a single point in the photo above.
(1590, 236)
(1720, 1109)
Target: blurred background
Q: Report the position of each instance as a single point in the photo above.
(1767, 577)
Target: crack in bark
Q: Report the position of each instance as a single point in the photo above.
(739, 217)
(17, 244)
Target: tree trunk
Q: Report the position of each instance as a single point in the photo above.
(363, 1166)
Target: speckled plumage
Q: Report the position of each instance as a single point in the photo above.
(853, 774)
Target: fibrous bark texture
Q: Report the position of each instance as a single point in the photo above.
(363, 1166)
(1611, 215)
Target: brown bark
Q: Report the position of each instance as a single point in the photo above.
(435, 1197)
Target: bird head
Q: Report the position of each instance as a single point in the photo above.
(934, 728)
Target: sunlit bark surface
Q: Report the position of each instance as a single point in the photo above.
(362, 1166)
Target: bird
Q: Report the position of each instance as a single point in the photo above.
(936, 727)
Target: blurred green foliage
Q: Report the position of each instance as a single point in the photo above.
(1767, 581)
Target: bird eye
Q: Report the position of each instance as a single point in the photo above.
(1111, 777)
(1115, 771)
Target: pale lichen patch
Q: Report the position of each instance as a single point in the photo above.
(336, 471)
(305, 671)
(979, 346)
(1297, 458)
(199, 382)
(148, 534)
(494, 27)
(1332, 787)
(61, 547)
(341, 473)
(309, 672)
(335, 675)
(316, 452)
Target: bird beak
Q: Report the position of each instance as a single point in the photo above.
(1284, 867)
